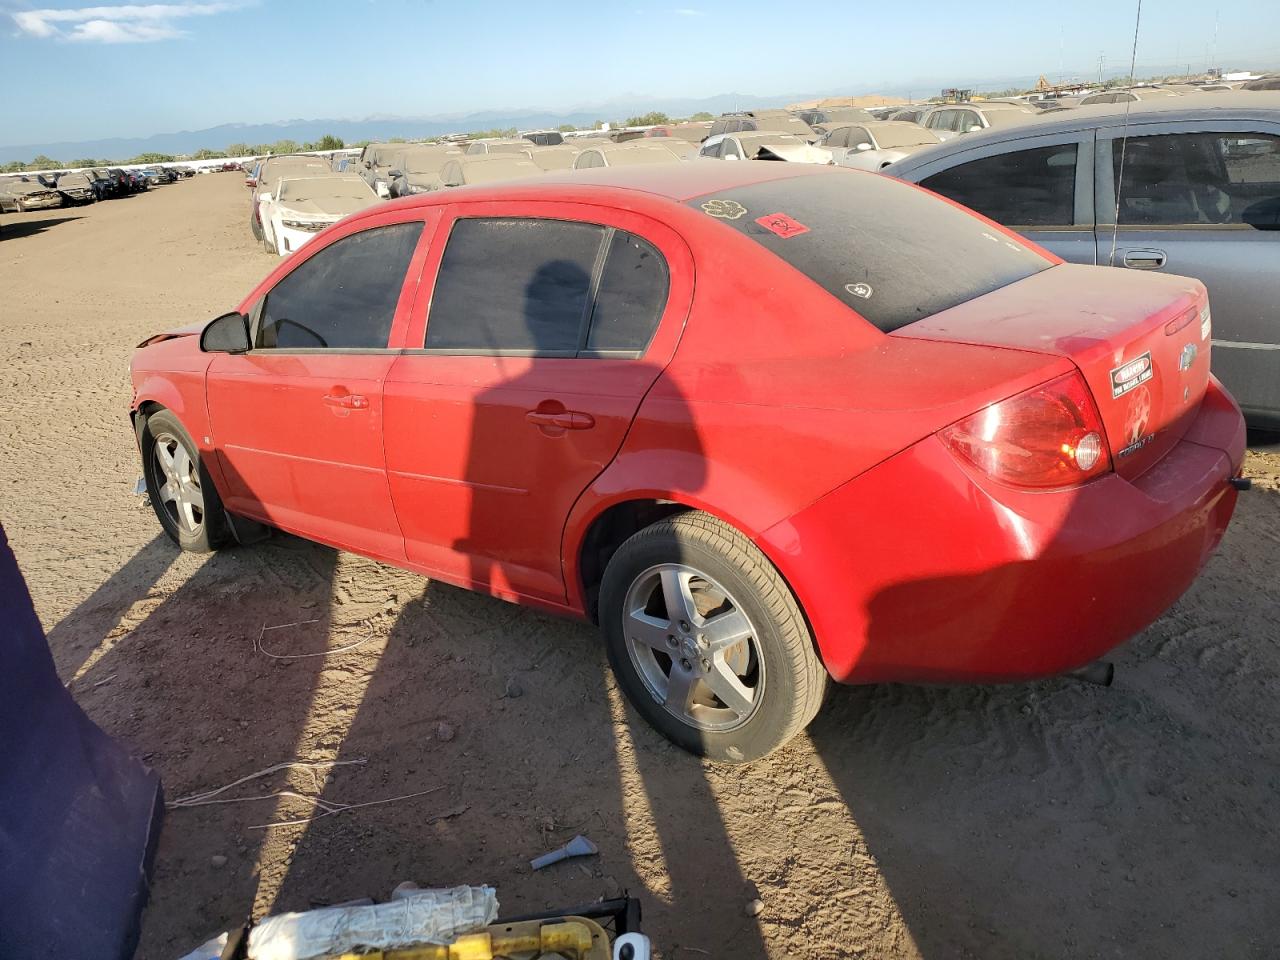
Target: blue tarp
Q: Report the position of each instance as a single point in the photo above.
(79, 817)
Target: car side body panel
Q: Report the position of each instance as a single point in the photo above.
(484, 493)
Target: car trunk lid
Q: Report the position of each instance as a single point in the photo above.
(1141, 342)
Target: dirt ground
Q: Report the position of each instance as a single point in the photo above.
(1050, 819)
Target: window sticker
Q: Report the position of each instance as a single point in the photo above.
(724, 209)
(783, 225)
(860, 290)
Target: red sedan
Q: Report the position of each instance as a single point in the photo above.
(767, 424)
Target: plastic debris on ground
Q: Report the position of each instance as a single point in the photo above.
(579, 846)
(210, 950)
(413, 918)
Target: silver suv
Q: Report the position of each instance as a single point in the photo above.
(1199, 195)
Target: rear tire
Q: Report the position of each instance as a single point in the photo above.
(255, 225)
(181, 491)
(707, 641)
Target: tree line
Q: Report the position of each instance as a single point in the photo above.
(41, 162)
(327, 142)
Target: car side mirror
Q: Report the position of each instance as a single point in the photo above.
(863, 146)
(395, 174)
(229, 333)
(975, 128)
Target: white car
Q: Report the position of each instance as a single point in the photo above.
(644, 150)
(870, 146)
(266, 178)
(763, 146)
(303, 206)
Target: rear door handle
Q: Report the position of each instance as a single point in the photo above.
(348, 401)
(1144, 259)
(564, 420)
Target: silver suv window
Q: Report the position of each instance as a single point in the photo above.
(1183, 179)
(1024, 188)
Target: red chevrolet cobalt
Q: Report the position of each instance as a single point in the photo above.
(767, 424)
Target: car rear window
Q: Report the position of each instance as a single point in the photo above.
(891, 252)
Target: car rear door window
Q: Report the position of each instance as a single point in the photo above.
(1201, 179)
(514, 285)
(343, 297)
(631, 296)
(558, 288)
(1024, 188)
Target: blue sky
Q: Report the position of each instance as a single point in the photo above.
(115, 70)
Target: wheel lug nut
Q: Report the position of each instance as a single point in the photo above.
(686, 664)
(706, 665)
(702, 640)
(672, 642)
(684, 627)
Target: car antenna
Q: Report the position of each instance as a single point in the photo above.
(1124, 138)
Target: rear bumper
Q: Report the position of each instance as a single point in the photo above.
(922, 571)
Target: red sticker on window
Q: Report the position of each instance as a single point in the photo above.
(782, 225)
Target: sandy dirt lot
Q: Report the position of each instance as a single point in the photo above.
(1051, 819)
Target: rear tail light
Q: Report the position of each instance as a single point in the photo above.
(1051, 436)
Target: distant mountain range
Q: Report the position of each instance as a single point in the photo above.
(383, 127)
(380, 127)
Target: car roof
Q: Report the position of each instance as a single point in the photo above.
(752, 138)
(673, 182)
(1259, 105)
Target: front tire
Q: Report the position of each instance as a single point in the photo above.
(707, 640)
(181, 492)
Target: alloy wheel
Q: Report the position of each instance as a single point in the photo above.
(694, 647)
(178, 483)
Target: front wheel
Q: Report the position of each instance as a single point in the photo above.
(181, 491)
(707, 641)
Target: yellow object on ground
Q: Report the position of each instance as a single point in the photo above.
(574, 938)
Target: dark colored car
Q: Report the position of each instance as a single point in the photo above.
(545, 138)
(1199, 196)
(124, 183)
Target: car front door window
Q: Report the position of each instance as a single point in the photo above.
(343, 297)
(1199, 179)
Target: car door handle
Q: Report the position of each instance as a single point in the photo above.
(348, 401)
(562, 420)
(1144, 259)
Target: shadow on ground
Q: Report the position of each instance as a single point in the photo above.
(17, 229)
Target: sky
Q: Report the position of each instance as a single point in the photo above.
(75, 72)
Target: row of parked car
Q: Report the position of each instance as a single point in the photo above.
(23, 192)
(1186, 183)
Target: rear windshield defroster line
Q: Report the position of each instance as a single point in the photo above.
(893, 253)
